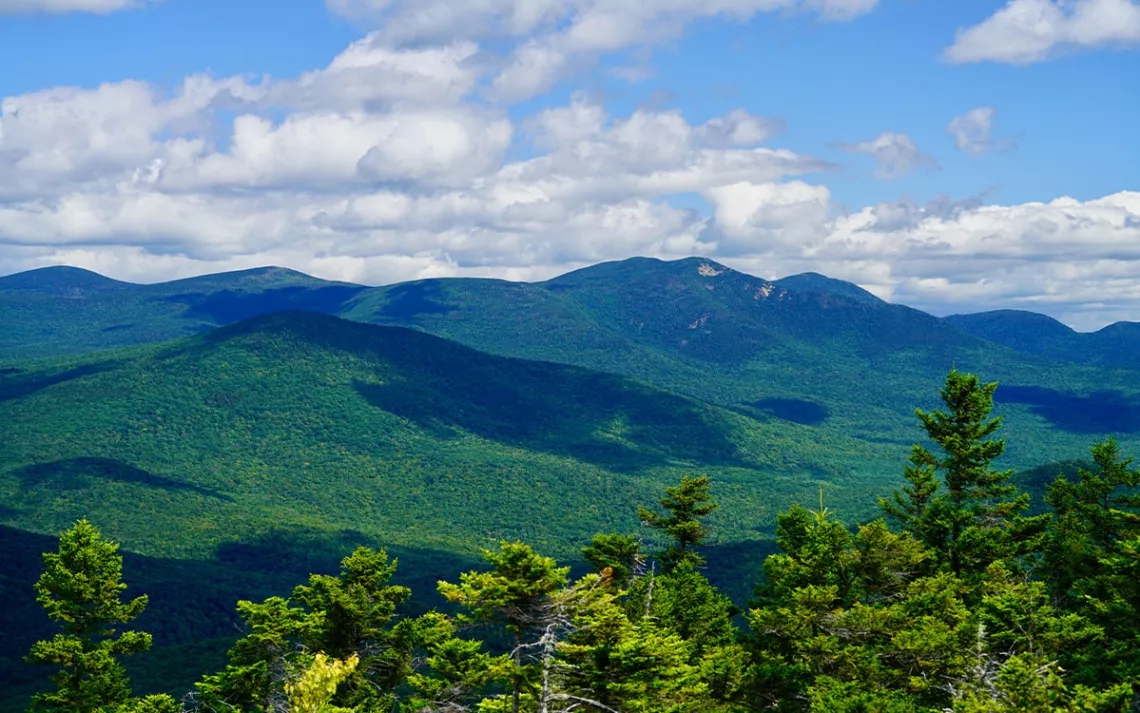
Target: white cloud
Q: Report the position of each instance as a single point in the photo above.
(64, 6)
(553, 37)
(371, 76)
(1028, 31)
(739, 128)
(58, 137)
(895, 154)
(971, 131)
(388, 164)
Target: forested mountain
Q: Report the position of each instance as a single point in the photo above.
(1115, 346)
(65, 310)
(292, 419)
(968, 604)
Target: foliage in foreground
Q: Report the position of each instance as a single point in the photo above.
(969, 605)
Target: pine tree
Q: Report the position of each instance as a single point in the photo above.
(976, 520)
(80, 589)
(686, 504)
(1091, 517)
(516, 593)
(620, 554)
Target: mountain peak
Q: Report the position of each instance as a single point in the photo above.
(58, 279)
(815, 282)
(640, 267)
(1005, 325)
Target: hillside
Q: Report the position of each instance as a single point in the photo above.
(65, 310)
(190, 445)
(268, 448)
(806, 349)
(1115, 346)
(258, 451)
(845, 366)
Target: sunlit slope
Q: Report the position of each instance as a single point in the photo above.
(308, 420)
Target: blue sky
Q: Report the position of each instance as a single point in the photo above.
(775, 135)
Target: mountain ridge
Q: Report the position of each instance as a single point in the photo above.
(59, 310)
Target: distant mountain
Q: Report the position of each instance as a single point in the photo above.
(827, 356)
(66, 310)
(1115, 346)
(815, 282)
(474, 410)
(60, 280)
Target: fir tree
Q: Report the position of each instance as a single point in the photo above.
(81, 589)
(685, 504)
(516, 593)
(976, 519)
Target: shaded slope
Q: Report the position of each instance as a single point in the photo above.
(191, 611)
(842, 365)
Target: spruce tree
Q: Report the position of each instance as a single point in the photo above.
(976, 518)
(516, 593)
(81, 589)
(1091, 517)
(685, 504)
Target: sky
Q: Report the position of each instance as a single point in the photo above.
(955, 156)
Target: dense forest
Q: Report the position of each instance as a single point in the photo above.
(964, 596)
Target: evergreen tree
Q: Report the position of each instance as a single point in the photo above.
(341, 617)
(81, 589)
(1091, 517)
(620, 554)
(976, 519)
(516, 593)
(685, 504)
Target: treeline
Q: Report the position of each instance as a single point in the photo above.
(958, 600)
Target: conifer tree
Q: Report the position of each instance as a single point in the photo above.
(619, 554)
(976, 519)
(685, 504)
(81, 589)
(1092, 517)
(516, 593)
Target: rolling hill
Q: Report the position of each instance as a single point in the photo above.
(54, 311)
(1115, 346)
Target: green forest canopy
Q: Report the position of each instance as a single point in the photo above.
(959, 600)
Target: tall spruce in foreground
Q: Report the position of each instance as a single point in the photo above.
(975, 520)
(80, 589)
(685, 505)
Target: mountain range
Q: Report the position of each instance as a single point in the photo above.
(261, 422)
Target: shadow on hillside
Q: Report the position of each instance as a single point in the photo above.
(414, 299)
(807, 413)
(304, 551)
(1098, 413)
(228, 306)
(20, 387)
(75, 473)
(590, 417)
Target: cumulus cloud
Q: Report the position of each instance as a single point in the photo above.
(389, 164)
(553, 37)
(895, 154)
(64, 6)
(1028, 31)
